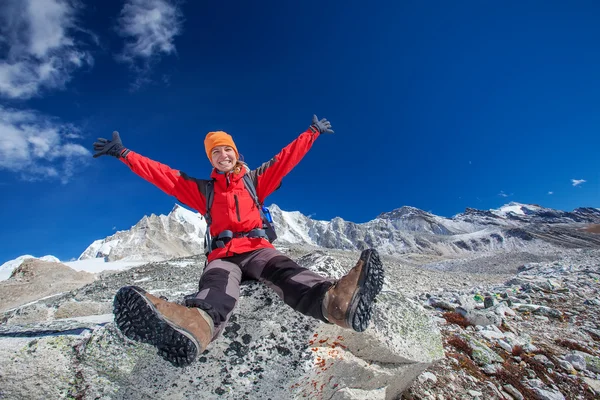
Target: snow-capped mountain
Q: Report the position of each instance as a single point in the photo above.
(409, 229)
(153, 238)
(514, 213)
(403, 230)
(8, 267)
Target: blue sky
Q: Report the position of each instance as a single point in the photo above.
(437, 105)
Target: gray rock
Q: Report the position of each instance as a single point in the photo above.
(538, 310)
(482, 355)
(576, 360)
(592, 302)
(268, 350)
(503, 309)
(549, 312)
(491, 369)
(467, 302)
(510, 389)
(593, 383)
(592, 363)
(479, 317)
(566, 366)
(427, 376)
(594, 333)
(489, 301)
(548, 394)
(441, 304)
(544, 360)
(504, 345)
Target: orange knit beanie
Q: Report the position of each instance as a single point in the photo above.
(218, 138)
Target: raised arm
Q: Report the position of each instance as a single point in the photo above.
(268, 176)
(187, 190)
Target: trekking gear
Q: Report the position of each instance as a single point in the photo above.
(322, 126)
(349, 302)
(266, 232)
(112, 147)
(179, 333)
(191, 191)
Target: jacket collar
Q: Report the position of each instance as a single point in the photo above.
(221, 176)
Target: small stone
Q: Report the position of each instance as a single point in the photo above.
(567, 366)
(576, 360)
(427, 376)
(489, 301)
(544, 360)
(475, 393)
(530, 348)
(548, 394)
(490, 334)
(441, 304)
(504, 345)
(592, 362)
(594, 384)
(494, 389)
(491, 369)
(510, 389)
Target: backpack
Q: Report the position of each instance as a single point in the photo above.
(265, 214)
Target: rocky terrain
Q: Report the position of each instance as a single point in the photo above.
(66, 346)
(499, 304)
(509, 326)
(534, 336)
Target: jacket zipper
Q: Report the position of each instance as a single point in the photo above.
(237, 208)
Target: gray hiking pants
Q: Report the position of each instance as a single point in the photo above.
(219, 287)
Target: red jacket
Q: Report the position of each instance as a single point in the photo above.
(233, 207)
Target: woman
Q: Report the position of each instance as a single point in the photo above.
(180, 332)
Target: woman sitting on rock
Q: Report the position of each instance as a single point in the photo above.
(180, 332)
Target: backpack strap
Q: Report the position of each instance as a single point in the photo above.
(267, 226)
(250, 187)
(209, 194)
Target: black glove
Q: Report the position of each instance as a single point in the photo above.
(322, 126)
(112, 147)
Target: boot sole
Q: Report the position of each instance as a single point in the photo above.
(137, 318)
(369, 286)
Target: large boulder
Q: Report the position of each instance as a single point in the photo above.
(267, 351)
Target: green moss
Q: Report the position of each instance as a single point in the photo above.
(592, 363)
(482, 354)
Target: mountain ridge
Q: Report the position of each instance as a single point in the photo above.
(403, 230)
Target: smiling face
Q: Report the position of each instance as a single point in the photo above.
(223, 158)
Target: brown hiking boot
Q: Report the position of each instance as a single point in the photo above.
(349, 302)
(179, 333)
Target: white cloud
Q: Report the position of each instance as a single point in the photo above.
(149, 28)
(502, 194)
(38, 147)
(577, 182)
(42, 51)
(550, 192)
